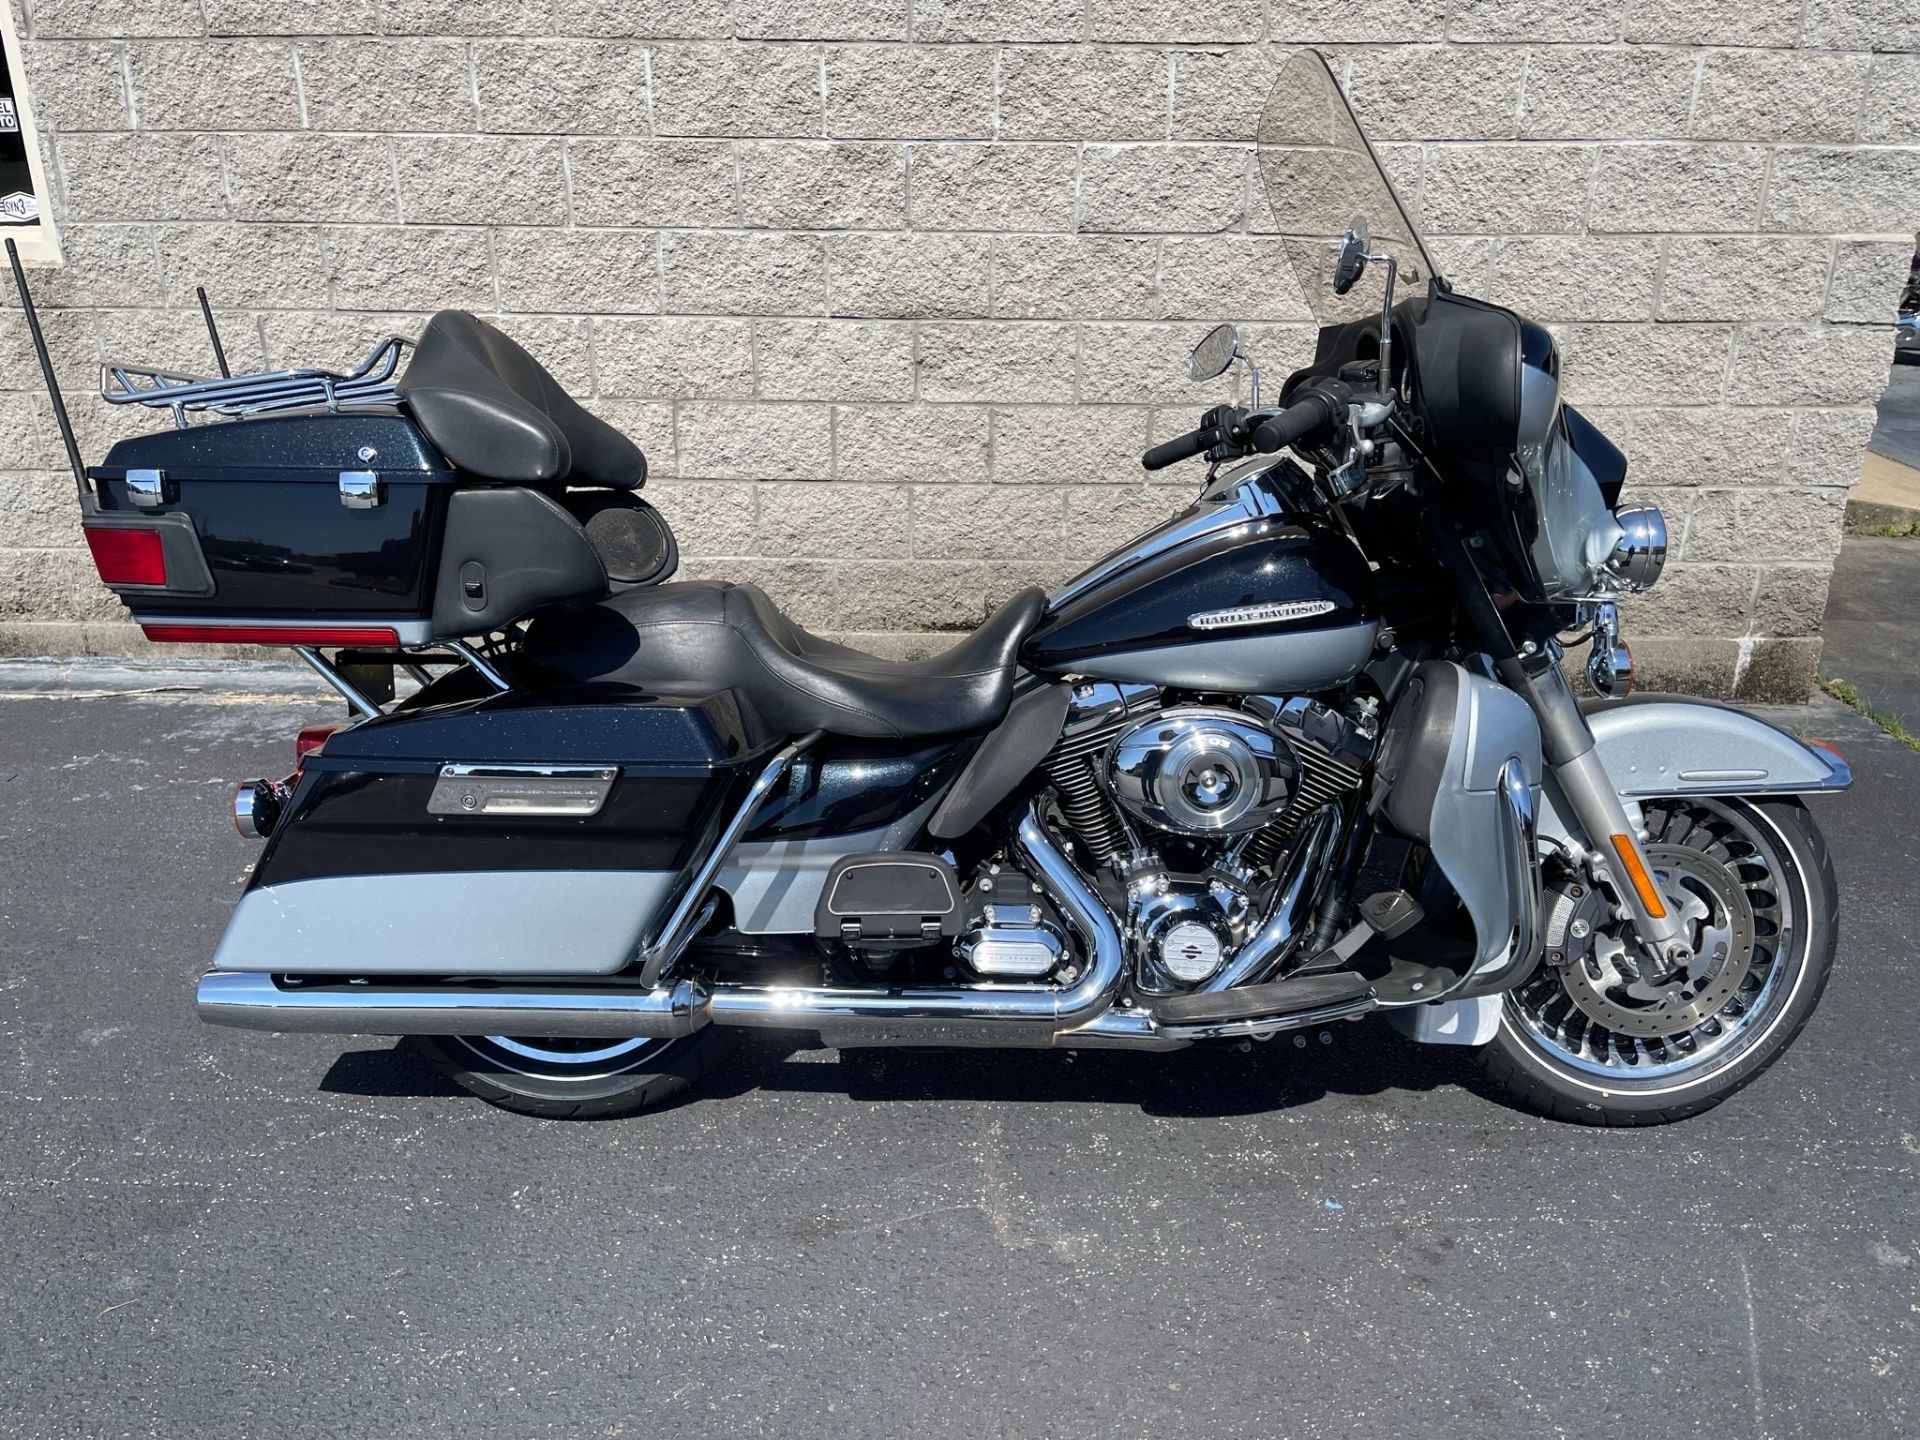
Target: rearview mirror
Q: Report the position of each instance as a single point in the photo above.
(1214, 353)
(1351, 263)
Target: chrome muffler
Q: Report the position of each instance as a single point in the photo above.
(252, 1001)
(990, 1015)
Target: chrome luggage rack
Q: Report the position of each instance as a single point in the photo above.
(266, 392)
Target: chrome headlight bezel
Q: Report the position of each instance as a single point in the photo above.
(1641, 552)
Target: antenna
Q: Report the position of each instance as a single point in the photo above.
(46, 368)
(213, 333)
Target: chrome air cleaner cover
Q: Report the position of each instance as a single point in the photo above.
(1201, 771)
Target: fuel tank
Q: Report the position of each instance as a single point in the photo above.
(1279, 604)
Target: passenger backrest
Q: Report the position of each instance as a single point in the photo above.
(494, 412)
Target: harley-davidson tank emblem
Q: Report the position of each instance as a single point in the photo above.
(1268, 612)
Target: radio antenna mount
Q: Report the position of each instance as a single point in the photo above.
(46, 368)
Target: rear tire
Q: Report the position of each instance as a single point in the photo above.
(1551, 1057)
(573, 1079)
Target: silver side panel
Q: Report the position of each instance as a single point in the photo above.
(502, 922)
(1284, 663)
(1670, 747)
(1469, 799)
(775, 885)
(1449, 1022)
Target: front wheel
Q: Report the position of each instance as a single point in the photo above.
(573, 1079)
(1593, 1039)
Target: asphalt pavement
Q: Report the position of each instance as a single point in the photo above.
(1869, 627)
(217, 1234)
(1896, 430)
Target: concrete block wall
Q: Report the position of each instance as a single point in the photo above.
(894, 292)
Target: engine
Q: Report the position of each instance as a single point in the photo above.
(1181, 811)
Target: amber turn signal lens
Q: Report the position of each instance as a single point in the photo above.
(1630, 860)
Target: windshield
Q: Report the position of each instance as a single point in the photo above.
(1321, 175)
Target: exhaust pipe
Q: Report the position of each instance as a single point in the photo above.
(1285, 925)
(253, 1001)
(996, 1015)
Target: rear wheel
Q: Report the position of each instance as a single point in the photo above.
(562, 1079)
(1600, 1039)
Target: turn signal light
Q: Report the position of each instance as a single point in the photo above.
(1630, 861)
(310, 740)
(257, 806)
(127, 557)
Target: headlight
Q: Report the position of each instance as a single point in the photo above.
(1641, 554)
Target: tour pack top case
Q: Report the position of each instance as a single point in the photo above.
(385, 507)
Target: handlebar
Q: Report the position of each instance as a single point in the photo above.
(1181, 447)
(1315, 408)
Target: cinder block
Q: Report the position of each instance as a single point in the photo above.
(479, 180)
(562, 87)
(910, 93)
(909, 275)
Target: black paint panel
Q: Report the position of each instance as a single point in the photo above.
(359, 822)
(572, 725)
(263, 497)
(1150, 606)
(846, 784)
(362, 806)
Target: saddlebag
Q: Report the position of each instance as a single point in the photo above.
(494, 838)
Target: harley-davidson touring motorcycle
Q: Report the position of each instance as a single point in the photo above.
(1301, 754)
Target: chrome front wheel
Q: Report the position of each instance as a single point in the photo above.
(1602, 1034)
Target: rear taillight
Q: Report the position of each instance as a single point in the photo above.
(127, 557)
(309, 740)
(369, 636)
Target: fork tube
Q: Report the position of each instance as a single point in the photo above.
(1613, 840)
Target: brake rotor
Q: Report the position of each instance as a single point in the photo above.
(1612, 981)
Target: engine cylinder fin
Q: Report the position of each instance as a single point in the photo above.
(1321, 779)
(1074, 769)
(1084, 802)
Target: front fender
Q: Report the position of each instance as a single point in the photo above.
(1653, 748)
(1695, 747)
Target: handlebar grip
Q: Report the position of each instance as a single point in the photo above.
(1310, 412)
(1171, 452)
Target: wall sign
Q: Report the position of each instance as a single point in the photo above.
(26, 213)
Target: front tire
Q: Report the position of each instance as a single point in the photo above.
(573, 1079)
(1755, 876)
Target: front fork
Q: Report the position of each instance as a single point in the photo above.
(1614, 854)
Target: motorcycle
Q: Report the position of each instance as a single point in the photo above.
(1302, 754)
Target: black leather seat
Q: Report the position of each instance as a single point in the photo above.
(495, 412)
(704, 636)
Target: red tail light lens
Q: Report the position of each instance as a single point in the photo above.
(372, 637)
(310, 740)
(128, 557)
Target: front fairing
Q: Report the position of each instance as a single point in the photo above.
(1482, 383)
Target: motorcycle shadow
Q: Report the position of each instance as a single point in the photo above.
(1214, 1080)
(1221, 1079)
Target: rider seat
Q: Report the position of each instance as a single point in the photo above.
(709, 636)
